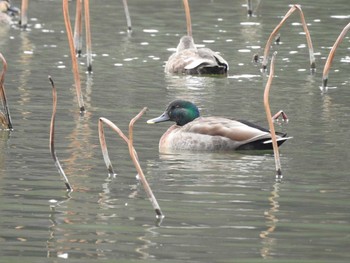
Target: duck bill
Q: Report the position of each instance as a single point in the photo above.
(161, 118)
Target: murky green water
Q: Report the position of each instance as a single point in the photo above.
(219, 207)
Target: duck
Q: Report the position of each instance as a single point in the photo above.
(191, 132)
(190, 60)
(7, 12)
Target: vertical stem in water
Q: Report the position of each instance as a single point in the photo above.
(52, 138)
(88, 36)
(127, 15)
(24, 14)
(138, 167)
(269, 118)
(73, 56)
(330, 57)
(78, 28)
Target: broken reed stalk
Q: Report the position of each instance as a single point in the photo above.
(103, 141)
(133, 155)
(73, 56)
(277, 28)
(269, 118)
(188, 17)
(330, 58)
(138, 167)
(7, 121)
(78, 28)
(88, 36)
(24, 14)
(127, 15)
(52, 137)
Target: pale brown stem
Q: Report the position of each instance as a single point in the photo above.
(127, 15)
(103, 141)
(133, 155)
(139, 169)
(88, 36)
(3, 94)
(277, 28)
(52, 138)
(269, 119)
(330, 57)
(73, 56)
(78, 28)
(188, 18)
(24, 14)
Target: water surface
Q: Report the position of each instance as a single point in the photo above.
(219, 207)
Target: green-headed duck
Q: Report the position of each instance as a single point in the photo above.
(195, 133)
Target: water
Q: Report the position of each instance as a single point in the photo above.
(219, 207)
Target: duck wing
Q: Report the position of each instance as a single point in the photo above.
(234, 134)
(178, 61)
(232, 129)
(193, 61)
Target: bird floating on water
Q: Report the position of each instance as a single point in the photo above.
(7, 12)
(188, 59)
(195, 133)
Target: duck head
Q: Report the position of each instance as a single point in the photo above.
(179, 111)
(186, 42)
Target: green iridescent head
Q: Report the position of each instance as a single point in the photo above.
(179, 111)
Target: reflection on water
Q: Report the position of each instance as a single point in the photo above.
(268, 242)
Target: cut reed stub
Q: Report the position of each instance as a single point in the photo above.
(276, 30)
(52, 138)
(330, 58)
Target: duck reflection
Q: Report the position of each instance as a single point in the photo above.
(193, 88)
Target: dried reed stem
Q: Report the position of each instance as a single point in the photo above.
(7, 121)
(127, 15)
(277, 28)
(24, 14)
(88, 36)
(269, 119)
(330, 57)
(78, 28)
(73, 56)
(138, 167)
(188, 18)
(103, 141)
(133, 155)
(52, 137)
(249, 7)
